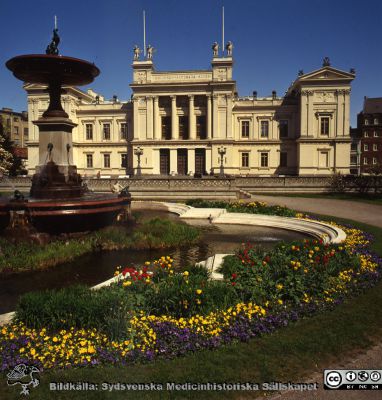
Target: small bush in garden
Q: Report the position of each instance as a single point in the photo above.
(255, 207)
(76, 306)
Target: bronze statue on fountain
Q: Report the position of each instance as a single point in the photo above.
(58, 201)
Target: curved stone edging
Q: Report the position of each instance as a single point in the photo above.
(319, 230)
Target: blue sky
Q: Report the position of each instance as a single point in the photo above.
(272, 39)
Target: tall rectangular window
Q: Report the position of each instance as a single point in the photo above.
(374, 161)
(264, 129)
(26, 132)
(245, 160)
(365, 147)
(106, 160)
(365, 161)
(366, 134)
(283, 159)
(16, 130)
(323, 159)
(375, 133)
(166, 128)
(183, 128)
(245, 129)
(124, 131)
(124, 160)
(325, 126)
(201, 127)
(264, 160)
(89, 160)
(89, 131)
(106, 131)
(283, 127)
(375, 147)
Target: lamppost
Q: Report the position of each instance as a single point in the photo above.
(138, 152)
(222, 151)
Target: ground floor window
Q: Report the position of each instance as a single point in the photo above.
(124, 160)
(264, 159)
(89, 160)
(245, 160)
(106, 160)
(324, 159)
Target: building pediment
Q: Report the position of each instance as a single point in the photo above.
(327, 74)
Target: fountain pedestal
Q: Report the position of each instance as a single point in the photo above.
(56, 176)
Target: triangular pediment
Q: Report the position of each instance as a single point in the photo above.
(327, 73)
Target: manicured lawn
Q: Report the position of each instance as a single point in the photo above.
(290, 354)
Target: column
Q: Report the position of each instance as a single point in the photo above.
(346, 131)
(173, 161)
(310, 119)
(191, 118)
(209, 117)
(191, 161)
(174, 119)
(229, 116)
(149, 117)
(215, 133)
(303, 118)
(157, 133)
(135, 122)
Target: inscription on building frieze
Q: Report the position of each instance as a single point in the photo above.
(181, 77)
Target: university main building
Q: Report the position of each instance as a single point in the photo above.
(188, 122)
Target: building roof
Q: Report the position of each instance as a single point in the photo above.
(372, 105)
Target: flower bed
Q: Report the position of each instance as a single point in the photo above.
(170, 312)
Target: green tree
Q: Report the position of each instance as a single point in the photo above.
(9, 162)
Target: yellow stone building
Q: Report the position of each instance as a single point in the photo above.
(191, 122)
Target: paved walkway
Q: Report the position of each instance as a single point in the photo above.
(370, 359)
(358, 211)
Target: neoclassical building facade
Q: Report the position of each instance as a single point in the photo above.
(192, 122)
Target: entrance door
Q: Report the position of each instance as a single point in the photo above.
(182, 162)
(200, 162)
(164, 160)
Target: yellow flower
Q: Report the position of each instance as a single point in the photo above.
(126, 283)
(186, 273)
(280, 301)
(198, 291)
(279, 286)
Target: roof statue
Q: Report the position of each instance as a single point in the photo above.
(300, 72)
(215, 49)
(150, 51)
(53, 46)
(229, 47)
(137, 52)
(326, 62)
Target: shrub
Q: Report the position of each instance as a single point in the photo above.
(76, 306)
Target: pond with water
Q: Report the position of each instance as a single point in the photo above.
(94, 268)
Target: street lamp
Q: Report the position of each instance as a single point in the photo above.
(138, 152)
(222, 151)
